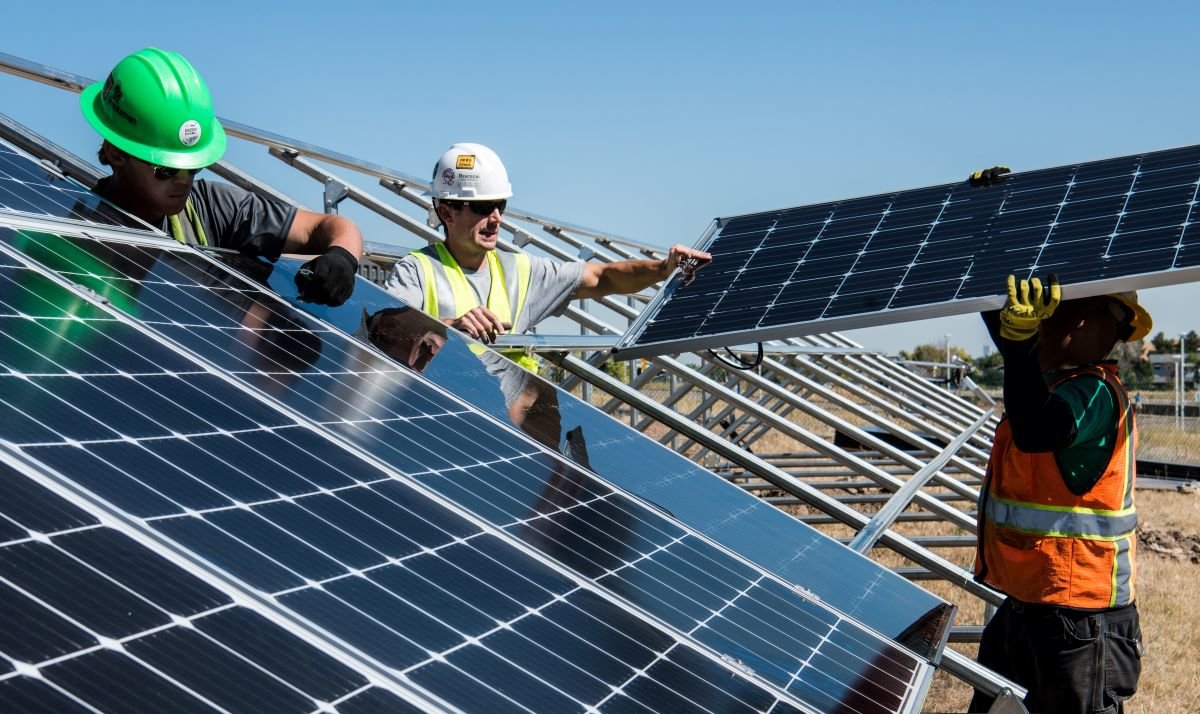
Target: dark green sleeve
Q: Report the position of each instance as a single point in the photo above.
(1094, 408)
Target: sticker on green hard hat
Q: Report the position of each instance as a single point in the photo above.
(190, 132)
(156, 107)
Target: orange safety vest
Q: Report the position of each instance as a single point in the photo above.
(1040, 543)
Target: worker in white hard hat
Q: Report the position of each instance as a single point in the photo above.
(467, 284)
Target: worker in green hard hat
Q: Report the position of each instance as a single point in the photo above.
(156, 116)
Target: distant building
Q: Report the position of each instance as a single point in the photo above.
(1164, 371)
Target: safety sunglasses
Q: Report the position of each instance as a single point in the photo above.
(484, 208)
(166, 173)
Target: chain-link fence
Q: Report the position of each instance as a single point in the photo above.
(1168, 431)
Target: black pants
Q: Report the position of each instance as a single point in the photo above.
(1084, 661)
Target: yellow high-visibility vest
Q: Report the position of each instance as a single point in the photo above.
(498, 300)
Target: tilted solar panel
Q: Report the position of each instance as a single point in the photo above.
(1102, 226)
(745, 524)
(630, 551)
(29, 188)
(430, 605)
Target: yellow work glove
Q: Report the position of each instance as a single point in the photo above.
(1027, 306)
(987, 177)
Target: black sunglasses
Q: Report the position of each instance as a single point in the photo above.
(483, 208)
(166, 173)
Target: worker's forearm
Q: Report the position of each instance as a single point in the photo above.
(1040, 420)
(627, 276)
(313, 233)
(340, 232)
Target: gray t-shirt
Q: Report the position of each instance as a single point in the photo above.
(235, 218)
(551, 284)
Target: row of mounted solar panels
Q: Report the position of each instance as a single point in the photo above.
(354, 510)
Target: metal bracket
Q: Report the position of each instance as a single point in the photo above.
(737, 664)
(1008, 703)
(53, 165)
(335, 193)
(522, 238)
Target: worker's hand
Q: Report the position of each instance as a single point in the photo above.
(1027, 305)
(687, 259)
(987, 177)
(480, 323)
(328, 279)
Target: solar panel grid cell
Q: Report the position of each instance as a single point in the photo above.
(1109, 220)
(574, 541)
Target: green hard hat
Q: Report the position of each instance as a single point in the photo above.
(155, 106)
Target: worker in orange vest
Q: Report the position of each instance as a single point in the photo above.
(1056, 514)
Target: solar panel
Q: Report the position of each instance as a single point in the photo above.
(120, 647)
(631, 552)
(743, 523)
(275, 513)
(1102, 226)
(29, 188)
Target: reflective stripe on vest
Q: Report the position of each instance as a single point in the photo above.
(1062, 521)
(1040, 543)
(190, 232)
(462, 299)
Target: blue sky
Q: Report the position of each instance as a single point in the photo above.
(649, 119)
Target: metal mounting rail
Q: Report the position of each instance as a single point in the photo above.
(557, 343)
(869, 535)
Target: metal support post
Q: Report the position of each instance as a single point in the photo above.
(335, 193)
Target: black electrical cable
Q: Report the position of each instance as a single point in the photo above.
(741, 364)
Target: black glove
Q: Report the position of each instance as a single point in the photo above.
(987, 177)
(328, 279)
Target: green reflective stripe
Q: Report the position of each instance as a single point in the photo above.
(1125, 424)
(1062, 521)
(1130, 459)
(194, 218)
(181, 234)
(431, 298)
(1130, 466)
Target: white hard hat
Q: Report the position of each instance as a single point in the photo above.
(470, 172)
